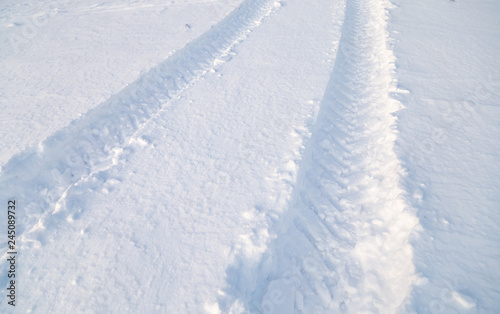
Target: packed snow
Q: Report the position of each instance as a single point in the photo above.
(250, 156)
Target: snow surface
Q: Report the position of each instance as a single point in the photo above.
(253, 156)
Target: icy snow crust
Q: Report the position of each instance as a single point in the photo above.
(274, 164)
(449, 75)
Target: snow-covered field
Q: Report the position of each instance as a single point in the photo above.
(250, 156)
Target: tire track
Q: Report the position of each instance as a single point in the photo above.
(39, 179)
(343, 244)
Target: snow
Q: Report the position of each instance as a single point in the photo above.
(80, 53)
(453, 106)
(252, 156)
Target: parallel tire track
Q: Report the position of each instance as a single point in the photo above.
(343, 244)
(39, 178)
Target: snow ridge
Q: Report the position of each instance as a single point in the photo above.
(39, 178)
(343, 244)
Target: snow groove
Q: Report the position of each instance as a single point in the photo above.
(39, 178)
(343, 244)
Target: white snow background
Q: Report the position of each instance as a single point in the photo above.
(251, 156)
